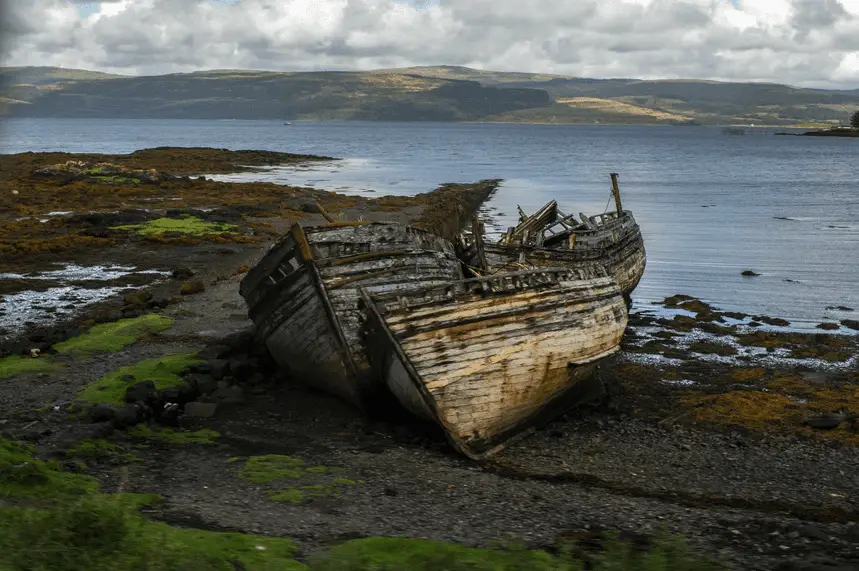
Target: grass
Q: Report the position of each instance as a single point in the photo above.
(19, 365)
(58, 521)
(188, 225)
(170, 436)
(114, 336)
(289, 480)
(100, 451)
(163, 371)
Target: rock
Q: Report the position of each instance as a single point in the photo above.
(102, 413)
(240, 340)
(217, 351)
(828, 326)
(812, 532)
(192, 287)
(203, 383)
(144, 392)
(241, 367)
(130, 415)
(750, 273)
(392, 492)
(73, 434)
(850, 324)
(137, 298)
(179, 395)
(182, 273)
(218, 368)
(826, 421)
(839, 308)
(231, 394)
(198, 409)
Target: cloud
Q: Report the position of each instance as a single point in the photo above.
(800, 42)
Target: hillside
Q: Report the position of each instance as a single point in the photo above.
(439, 93)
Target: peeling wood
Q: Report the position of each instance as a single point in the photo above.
(487, 356)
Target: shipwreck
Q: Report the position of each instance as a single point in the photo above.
(550, 238)
(487, 358)
(303, 296)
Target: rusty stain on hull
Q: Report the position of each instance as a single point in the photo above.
(486, 357)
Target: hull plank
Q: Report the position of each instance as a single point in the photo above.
(304, 296)
(483, 363)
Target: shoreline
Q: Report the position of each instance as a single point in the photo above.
(705, 431)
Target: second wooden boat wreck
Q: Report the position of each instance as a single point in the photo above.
(551, 238)
(487, 358)
(303, 296)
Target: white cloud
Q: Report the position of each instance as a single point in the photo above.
(801, 42)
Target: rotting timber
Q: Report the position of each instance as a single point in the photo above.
(303, 295)
(552, 238)
(487, 358)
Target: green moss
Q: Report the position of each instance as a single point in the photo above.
(114, 336)
(190, 225)
(19, 365)
(423, 555)
(271, 468)
(163, 371)
(21, 475)
(101, 451)
(287, 479)
(170, 436)
(288, 495)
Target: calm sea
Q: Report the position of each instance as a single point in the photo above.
(710, 205)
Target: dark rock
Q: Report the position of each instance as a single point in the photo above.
(851, 324)
(392, 492)
(203, 367)
(240, 340)
(828, 326)
(839, 308)
(750, 273)
(198, 409)
(241, 367)
(126, 378)
(203, 383)
(143, 392)
(826, 421)
(137, 298)
(73, 434)
(158, 303)
(103, 413)
(812, 532)
(233, 394)
(214, 351)
(179, 395)
(218, 368)
(182, 273)
(130, 415)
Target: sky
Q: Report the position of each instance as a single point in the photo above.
(807, 43)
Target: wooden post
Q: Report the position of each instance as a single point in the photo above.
(477, 235)
(616, 191)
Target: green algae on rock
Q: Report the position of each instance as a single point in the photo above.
(108, 337)
(163, 371)
(187, 225)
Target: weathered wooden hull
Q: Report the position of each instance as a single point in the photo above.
(303, 296)
(619, 247)
(487, 358)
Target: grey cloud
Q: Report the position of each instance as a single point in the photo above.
(601, 38)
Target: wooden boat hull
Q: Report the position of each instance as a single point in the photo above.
(618, 246)
(303, 296)
(487, 358)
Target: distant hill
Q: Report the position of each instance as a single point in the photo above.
(436, 93)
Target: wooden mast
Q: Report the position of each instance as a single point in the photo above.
(615, 190)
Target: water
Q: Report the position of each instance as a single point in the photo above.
(709, 205)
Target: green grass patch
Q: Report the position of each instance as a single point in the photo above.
(190, 225)
(21, 475)
(101, 451)
(19, 365)
(289, 480)
(170, 436)
(163, 371)
(114, 336)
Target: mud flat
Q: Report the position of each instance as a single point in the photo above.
(731, 432)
